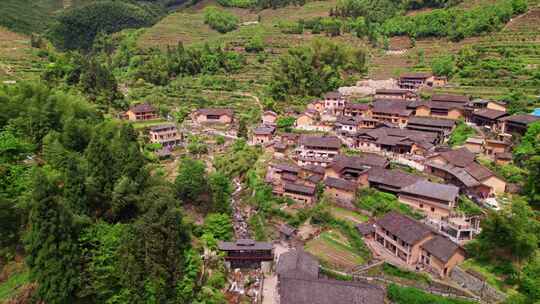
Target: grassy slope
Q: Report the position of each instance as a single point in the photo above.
(17, 59)
(522, 34)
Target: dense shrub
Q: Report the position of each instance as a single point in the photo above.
(455, 23)
(460, 134)
(255, 44)
(76, 28)
(220, 20)
(237, 3)
(408, 295)
(380, 203)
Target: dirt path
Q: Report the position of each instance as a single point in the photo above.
(240, 225)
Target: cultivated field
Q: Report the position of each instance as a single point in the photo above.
(333, 249)
(17, 59)
(353, 217)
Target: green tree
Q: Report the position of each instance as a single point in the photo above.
(220, 20)
(221, 190)
(242, 129)
(218, 225)
(443, 66)
(52, 250)
(510, 232)
(190, 182)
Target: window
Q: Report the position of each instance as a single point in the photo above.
(432, 209)
(421, 206)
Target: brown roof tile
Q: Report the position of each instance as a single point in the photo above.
(404, 227)
(341, 184)
(447, 193)
(215, 111)
(490, 114)
(320, 141)
(441, 248)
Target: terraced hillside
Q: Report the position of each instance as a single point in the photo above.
(17, 59)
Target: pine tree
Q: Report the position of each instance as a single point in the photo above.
(53, 254)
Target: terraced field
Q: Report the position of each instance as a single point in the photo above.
(334, 250)
(17, 59)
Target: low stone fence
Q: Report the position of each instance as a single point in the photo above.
(476, 285)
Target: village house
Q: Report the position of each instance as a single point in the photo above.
(516, 123)
(357, 110)
(503, 158)
(311, 175)
(290, 139)
(340, 190)
(492, 147)
(299, 192)
(474, 144)
(317, 105)
(246, 253)
(415, 81)
(213, 115)
(391, 181)
(287, 232)
(487, 117)
(416, 244)
(277, 173)
(442, 127)
(351, 124)
(442, 106)
(434, 200)
(398, 94)
(167, 135)
(311, 120)
(396, 140)
(460, 168)
(299, 283)
(392, 111)
(354, 168)
(269, 118)
(317, 150)
(334, 102)
(263, 134)
(142, 112)
(459, 228)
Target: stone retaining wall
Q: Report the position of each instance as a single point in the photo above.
(476, 285)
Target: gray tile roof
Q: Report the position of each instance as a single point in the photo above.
(394, 107)
(416, 75)
(298, 188)
(441, 248)
(320, 141)
(450, 98)
(490, 114)
(360, 162)
(215, 111)
(395, 179)
(447, 193)
(142, 108)
(310, 291)
(244, 244)
(521, 118)
(431, 122)
(341, 184)
(404, 227)
(297, 264)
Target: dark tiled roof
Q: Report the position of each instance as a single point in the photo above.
(162, 127)
(395, 107)
(441, 248)
(365, 228)
(431, 122)
(215, 111)
(360, 162)
(264, 130)
(450, 98)
(298, 188)
(442, 105)
(416, 136)
(521, 118)
(339, 183)
(392, 178)
(478, 171)
(297, 264)
(287, 229)
(428, 189)
(244, 244)
(315, 169)
(286, 168)
(320, 141)
(332, 95)
(315, 178)
(415, 75)
(142, 108)
(393, 91)
(404, 227)
(310, 291)
(347, 120)
(490, 114)
(457, 172)
(503, 155)
(357, 106)
(460, 157)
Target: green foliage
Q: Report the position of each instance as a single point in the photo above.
(191, 180)
(220, 20)
(76, 28)
(221, 190)
(256, 224)
(158, 67)
(239, 161)
(10, 287)
(285, 123)
(443, 66)
(460, 134)
(51, 244)
(511, 232)
(278, 3)
(237, 3)
(467, 206)
(455, 23)
(409, 275)
(255, 44)
(197, 146)
(380, 203)
(403, 295)
(218, 225)
(315, 69)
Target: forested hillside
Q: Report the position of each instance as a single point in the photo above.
(92, 212)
